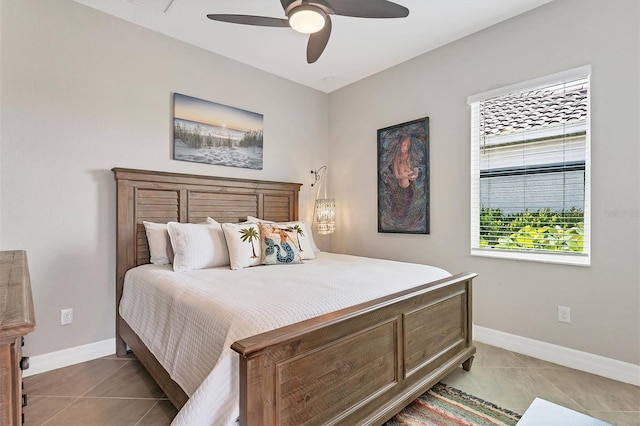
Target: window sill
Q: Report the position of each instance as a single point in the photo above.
(562, 259)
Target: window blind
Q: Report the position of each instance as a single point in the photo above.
(530, 170)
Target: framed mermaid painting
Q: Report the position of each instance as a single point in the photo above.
(403, 178)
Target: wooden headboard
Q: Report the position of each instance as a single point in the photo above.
(162, 197)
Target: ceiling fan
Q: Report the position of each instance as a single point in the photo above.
(312, 17)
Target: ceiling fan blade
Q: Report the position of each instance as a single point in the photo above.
(367, 8)
(262, 21)
(286, 3)
(318, 41)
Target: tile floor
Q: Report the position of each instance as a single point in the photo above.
(118, 391)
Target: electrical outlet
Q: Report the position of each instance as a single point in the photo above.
(564, 314)
(66, 316)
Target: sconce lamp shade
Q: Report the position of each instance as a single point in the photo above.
(325, 209)
(325, 216)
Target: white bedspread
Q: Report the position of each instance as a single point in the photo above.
(189, 320)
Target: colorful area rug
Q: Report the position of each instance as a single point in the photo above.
(443, 406)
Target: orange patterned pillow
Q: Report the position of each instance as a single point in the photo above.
(279, 245)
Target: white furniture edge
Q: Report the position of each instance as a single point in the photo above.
(572, 358)
(546, 413)
(583, 361)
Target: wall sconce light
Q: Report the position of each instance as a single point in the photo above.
(324, 215)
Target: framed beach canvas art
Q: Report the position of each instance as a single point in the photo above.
(212, 133)
(403, 178)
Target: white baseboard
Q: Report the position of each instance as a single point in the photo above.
(66, 357)
(583, 361)
(578, 360)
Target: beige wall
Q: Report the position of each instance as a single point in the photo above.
(516, 297)
(83, 92)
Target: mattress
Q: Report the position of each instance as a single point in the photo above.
(189, 320)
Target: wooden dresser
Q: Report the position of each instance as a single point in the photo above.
(16, 320)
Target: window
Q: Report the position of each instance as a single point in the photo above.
(530, 170)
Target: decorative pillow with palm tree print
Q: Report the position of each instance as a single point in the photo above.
(279, 245)
(245, 247)
(304, 239)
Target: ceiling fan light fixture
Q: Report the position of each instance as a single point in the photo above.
(307, 19)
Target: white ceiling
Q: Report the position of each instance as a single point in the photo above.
(357, 48)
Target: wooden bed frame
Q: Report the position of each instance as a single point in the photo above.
(359, 365)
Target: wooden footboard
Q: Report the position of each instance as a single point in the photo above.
(359, 365)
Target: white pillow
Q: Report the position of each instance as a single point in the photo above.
(314, 247)
(243, 240)
(197, 246)
(224, 250)
(160, 250)
(258, 220)
(307, 246)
